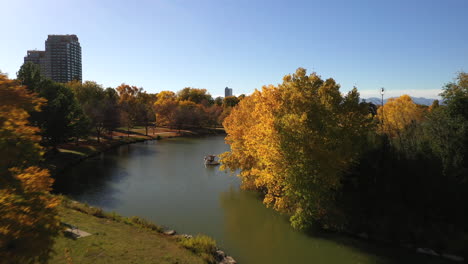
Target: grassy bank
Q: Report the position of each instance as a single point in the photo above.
(116, 239)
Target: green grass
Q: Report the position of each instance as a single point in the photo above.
(72, 152)
(116, 239)
(202, 245)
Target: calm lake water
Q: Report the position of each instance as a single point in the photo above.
(166, 182)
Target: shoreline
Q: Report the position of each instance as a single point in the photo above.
(67, 158)
(71, 154)
(107, 229)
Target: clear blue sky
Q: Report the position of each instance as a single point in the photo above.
(405, 46)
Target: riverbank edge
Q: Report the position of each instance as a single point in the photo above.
(60, 161)
(410, 247)
(220, 256)
(209, 252)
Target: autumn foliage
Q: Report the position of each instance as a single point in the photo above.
(322, 157)
(292, 142)
(28, 219)
(190, 108)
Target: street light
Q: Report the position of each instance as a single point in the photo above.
(382, 92)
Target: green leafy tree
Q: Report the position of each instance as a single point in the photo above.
(447, 128)
(218, 101)
(91, 96)
(111, 110)
(62, 117)
(145, 109)
(128, 104)
(30, 75)
(455, 95)
(230, 101)
(198, 96)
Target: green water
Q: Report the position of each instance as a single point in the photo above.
(166, 182)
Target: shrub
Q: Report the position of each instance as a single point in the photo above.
(201, 245)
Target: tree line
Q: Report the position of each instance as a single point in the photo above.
(394, 173)
(37, 115)
(77, 110)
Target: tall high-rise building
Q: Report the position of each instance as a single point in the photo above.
(227, 92)
(37, 57)
(61, 60)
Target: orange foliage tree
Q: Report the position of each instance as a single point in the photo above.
(28, 218)
(165, 108)
(397, 114)
(293, 141)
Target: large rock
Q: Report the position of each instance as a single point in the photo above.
(170, 232)
(427, 251)
(453, 257)
(219, 255)
(228, 260)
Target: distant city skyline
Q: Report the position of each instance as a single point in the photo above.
(412, 47)
(227, 92)
(61, 59)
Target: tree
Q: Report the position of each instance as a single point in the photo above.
(111, 110)
(254, 142)
(128, 105)
(230, 101)
(400, 120)
(292, 142)
(218, 101)
(145, 109)
(28, 221)
(447, 129)
(30, 75)
(397, 114)
(165, 108)
(62, 116)
(455, 95)
(188, 114)
(90, 96)
(198, 96)
(212, 115)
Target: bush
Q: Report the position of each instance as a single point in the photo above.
(98, 212)
(145, 223)
(202, 245)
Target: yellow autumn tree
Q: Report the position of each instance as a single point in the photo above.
(321, 135)
(397, 114)
(28, 217)
(292, 142)
(255, 146)
(165, 108)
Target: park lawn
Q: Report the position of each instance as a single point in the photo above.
(116, 242)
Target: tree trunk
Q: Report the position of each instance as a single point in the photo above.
(98, 135)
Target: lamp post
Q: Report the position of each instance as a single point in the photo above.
(382, 169)
(382, 92)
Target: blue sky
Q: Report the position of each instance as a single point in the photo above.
(405, 46)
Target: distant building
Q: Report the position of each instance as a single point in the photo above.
(61, 60)
(227, 92)
(37, 57)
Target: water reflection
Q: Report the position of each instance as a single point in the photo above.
(167, 182)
